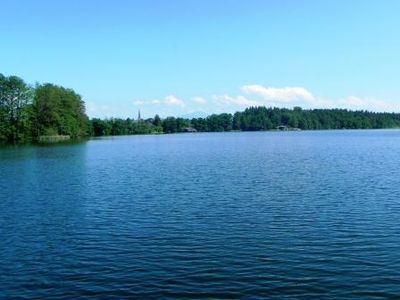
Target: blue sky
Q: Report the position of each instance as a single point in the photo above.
(184, 57)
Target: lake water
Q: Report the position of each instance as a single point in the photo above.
(285, 215)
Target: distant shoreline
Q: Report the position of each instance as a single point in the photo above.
(50, 113)
(88, 138)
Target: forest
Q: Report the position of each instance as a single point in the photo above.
(251, 119)
(30, 112)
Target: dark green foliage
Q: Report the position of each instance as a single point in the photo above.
(262, 118)
(157, 121)
(221, 122)
(58, 111)
(129, 126)
(172, 125)
(27, 113)
(200, 124)
(252, 119)
(15, 108)
(100, 127)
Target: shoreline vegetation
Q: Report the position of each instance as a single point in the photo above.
(48, 113)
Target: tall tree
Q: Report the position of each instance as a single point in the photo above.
(58, 111)
(15, 100)
(157, 120)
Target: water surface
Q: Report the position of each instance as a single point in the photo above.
(295, 215)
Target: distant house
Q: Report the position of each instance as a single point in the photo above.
(283, 128)
(189, 129)
(287, 128)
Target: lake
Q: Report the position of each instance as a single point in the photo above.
(293, 215)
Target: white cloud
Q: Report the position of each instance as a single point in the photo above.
(97, 110)
(139, 102)
(354, 101)
(291, 96)
(172, 100)
(285, 94)
(258, 95)
(93, 109)
(238, 100)
(371, 104)
(168, 100)
(199, 100)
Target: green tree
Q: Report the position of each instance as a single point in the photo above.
(15, 101)
(58, 111)
(157, 120)
(169, 125)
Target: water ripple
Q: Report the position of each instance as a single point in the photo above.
(297, 215)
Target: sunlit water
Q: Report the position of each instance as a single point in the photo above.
(295, 215)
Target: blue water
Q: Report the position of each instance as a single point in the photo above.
(284, 215)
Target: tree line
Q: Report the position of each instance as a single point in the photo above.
(252, 119)
(29, 112)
